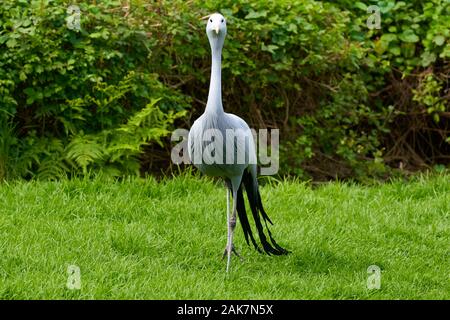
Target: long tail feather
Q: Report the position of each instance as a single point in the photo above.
(258, 211)
(240, 206)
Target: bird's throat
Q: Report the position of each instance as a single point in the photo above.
(214, 104)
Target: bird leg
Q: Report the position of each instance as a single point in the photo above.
(233, 250)
(228, 214)
(231, 226)
(228, 223)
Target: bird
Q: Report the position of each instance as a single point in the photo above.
(221, 145)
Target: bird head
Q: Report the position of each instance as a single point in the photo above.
(216, 29)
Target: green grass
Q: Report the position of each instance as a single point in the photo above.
(144, 239)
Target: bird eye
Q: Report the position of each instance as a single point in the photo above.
(222, 20)
(210, 20)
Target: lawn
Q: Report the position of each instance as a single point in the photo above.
(163, 240)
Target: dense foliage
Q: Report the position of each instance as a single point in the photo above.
(349, 100)
(77, 99)
(408, 76)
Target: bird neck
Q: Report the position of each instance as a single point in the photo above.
(214, 104)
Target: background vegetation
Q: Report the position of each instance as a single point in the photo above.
(350, 101)
(100, 102)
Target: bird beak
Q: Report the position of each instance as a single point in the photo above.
(216, 29)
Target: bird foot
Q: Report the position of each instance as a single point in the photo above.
(233, 250)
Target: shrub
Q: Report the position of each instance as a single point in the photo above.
(409, 66)
(61, 86)
(349, 101)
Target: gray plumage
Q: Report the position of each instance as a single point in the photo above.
(210, 146)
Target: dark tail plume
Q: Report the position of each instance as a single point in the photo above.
(254, 198)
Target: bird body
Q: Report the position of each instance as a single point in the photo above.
(223, 125)
(221, 144)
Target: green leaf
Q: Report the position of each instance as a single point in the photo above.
(399, 4)
(292, 28)
(256, 14)
(269, 48)
(439, 40)
(446, 52)
(361, 6)
(436, 117)
(386, 6)
(29, 92)
(408, 36)
(11, 43)
(392, 29)
(96, 35)
(427, 58)
(396, 51)
(388, 37)
(30, 100)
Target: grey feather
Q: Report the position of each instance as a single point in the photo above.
(216, 137)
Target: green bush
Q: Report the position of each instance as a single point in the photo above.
(408, 61)
(287, 65)
(349, 101)
(75, 97)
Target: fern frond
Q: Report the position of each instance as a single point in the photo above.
(84, 150)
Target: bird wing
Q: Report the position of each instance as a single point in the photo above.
(246, 143)
(195, 134)
(236, 141)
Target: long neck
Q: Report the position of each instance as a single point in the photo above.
(214, 104)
